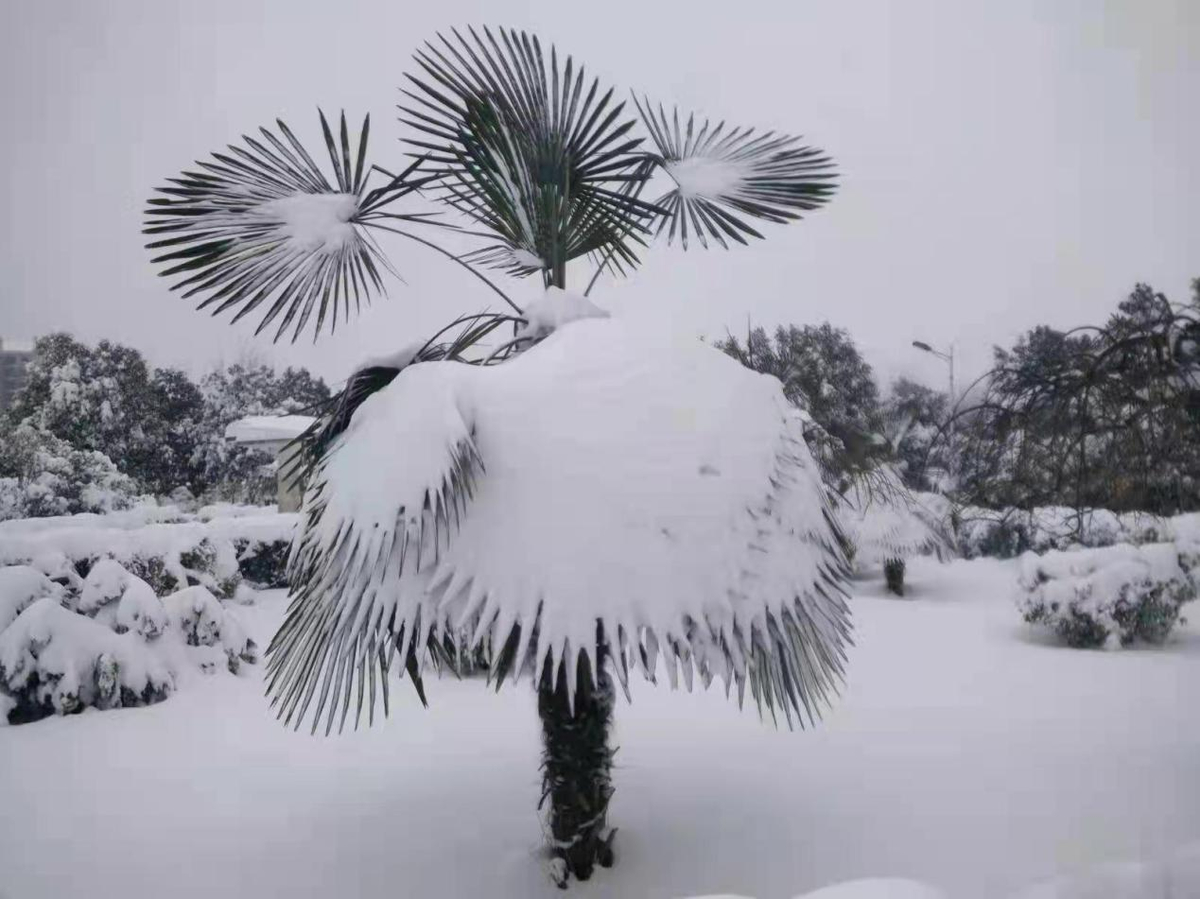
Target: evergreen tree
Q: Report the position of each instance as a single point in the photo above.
(155, 426)
(42, 475)
(93, 398)
(1103, 417)
(914, 416)
(174, 418)
(823, 373)
(233, 471)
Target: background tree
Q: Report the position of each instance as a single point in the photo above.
(42, 475)
(156, 426)
(172, 429)
(1094, 417)
(237, 472)
(94, 398)
(824, 374)
(913, 415)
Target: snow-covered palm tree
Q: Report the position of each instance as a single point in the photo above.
(565, 494)
(886, 524)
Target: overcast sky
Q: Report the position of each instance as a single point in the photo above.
(1003, 164)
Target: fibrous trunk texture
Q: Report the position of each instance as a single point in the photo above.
(577, 768)
(893, 573)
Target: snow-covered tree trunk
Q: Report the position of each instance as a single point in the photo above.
(577, 767)
(893, 573)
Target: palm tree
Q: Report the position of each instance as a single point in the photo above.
(551, 489)
(884, 522)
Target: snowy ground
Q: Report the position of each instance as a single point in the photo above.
(965, 752)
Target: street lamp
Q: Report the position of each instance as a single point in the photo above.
(948, 358)
(945, 357)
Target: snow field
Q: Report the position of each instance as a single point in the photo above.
(967, 752)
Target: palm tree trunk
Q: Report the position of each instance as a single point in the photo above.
(893, 573)
(577, 768)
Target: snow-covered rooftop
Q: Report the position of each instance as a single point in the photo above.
(266, 428)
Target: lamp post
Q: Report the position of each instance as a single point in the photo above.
(945, 357)
(948, 358)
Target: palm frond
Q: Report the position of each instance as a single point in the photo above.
(332, 417)
(262, 227)
(725, 175)
(434, 520)
(529, 149)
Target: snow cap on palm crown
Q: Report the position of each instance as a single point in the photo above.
(604, 483)
(884, 521)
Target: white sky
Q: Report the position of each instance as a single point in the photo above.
(1003, 164)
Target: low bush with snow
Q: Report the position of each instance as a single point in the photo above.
(202, 621)
(1109, 596)
(20, 587)
(105, 583)
(263, 562)
(116, 644)
(141, 611)
(166, 547)
(56, 661)
(1007, 533)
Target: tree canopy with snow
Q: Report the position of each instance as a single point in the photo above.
(822, 372)
(1098, 416)
(566, 494)
(95, 426)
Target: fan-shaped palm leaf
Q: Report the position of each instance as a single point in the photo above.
(722, 176)
(263, 227)
(664, 497)
(530, 150)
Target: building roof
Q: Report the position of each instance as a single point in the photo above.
(267, 428)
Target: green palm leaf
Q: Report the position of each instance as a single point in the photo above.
(529, 149)
(724, 176)
(261, 227)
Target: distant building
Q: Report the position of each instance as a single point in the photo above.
(13, 359)
(272, 433)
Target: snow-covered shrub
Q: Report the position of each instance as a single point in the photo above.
(1184, 528)
(105, 583)
(1143, 527)
(263, 563)
(213, 564)
(198, 615)
(162, 545)
(983, 532)
(153, 570)
(184, 499)
(56, 566)
(203, 621)
(20, 587)
(55, 661)
(1114, 595)
(244, 595)
(95, 660)
(141, 611)
(1009, 532)
(128, 560)
(1103, 528)
(12, 499)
